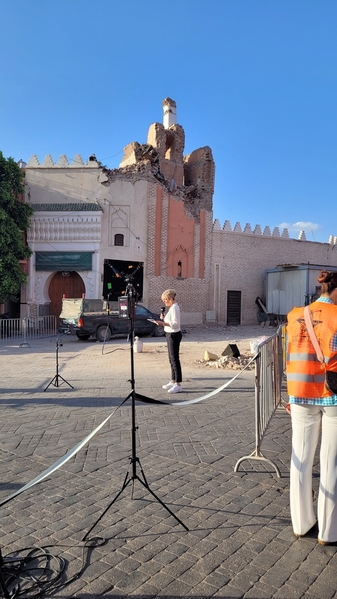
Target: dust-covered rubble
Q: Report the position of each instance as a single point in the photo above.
(229, 362)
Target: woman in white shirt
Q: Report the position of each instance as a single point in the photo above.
(173, 337)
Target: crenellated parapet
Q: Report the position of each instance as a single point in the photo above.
(63, 162)
(257, 231)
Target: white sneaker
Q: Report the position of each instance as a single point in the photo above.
(175, 389)
(169, 385)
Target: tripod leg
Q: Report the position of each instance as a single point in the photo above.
(52, 383)
(145, 484)
(66, 382)
(55, 382)
(127, 480)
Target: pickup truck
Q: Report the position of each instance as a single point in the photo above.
(72, 308)
(82, 320)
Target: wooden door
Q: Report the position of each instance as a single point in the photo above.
(72, 286)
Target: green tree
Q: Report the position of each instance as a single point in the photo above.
(14, 222)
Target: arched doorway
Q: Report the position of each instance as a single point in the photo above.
(69, 284)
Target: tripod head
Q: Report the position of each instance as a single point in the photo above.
(129, 279)
(127, 302)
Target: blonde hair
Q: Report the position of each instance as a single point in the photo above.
(169, 294)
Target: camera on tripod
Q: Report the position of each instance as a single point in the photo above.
(127, 303)
(127, 308)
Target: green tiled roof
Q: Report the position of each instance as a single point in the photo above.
(71, 207)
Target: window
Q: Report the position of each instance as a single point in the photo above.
(142, 311)
(119, 239)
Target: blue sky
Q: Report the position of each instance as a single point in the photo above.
(256, 80)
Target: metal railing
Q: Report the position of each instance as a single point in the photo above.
(27, 328)
(269, 372)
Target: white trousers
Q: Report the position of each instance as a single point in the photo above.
(306, 425)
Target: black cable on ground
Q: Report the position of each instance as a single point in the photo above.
(31, 573)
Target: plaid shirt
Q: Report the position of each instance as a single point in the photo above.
(320, 401)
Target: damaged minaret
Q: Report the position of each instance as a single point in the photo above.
(190, 177)
(169, 141)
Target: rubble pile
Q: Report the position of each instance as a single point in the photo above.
(228, 362)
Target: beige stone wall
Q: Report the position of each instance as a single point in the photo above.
(240, 259)
(192, 296)
(125, 212)
(61, 184)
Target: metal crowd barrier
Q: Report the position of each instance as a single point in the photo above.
(27, 328)
(269, 373)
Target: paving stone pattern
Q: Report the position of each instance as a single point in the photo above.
(239, 542)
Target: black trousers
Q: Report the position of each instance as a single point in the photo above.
(173, 344)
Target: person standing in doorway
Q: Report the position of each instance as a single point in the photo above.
(313, 407)
(171, 321)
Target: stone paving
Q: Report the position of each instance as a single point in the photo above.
(239, 542)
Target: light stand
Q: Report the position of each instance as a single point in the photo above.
(57, 378)
(132, 475)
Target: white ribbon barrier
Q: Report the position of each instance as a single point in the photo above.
(86, 440)
(61, 461)
(211, 393)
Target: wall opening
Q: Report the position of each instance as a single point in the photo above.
(119, 239)
(233, 307)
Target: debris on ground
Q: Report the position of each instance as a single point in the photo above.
(228, 362)
(208, 356)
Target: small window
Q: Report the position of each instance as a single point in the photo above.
(119, 239)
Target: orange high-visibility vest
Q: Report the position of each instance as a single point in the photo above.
(305, 374)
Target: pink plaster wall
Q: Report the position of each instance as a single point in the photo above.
(180, 240)
(158, 229)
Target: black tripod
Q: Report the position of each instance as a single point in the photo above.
(134, 460)
(57, 378)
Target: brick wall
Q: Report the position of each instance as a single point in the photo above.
(192, 292)
(243, 258)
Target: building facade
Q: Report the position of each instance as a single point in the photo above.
(155, 210)
(240, 259)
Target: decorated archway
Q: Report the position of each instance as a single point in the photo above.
(68, 283)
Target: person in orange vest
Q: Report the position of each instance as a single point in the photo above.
(313, 408)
